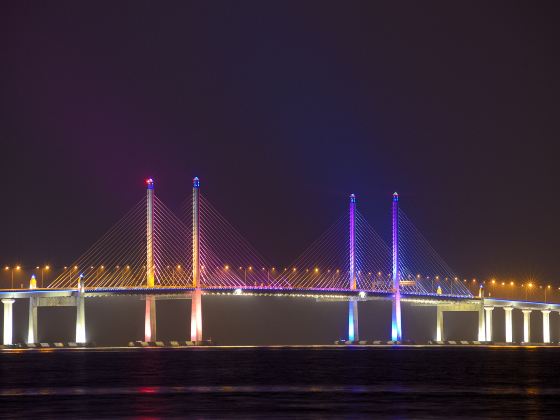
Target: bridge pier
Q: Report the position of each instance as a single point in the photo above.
(526, 325)
(439, 324)
(150, 319)
(353, 331)
(481, 323)
(509, 324)
(546, 325)
(196, 316)
(80, 312)
(558, 314)
(8, 320)
(80, 320)
(32, 323)
(489, 310)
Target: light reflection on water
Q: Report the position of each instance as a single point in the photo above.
(287, 382)
(162, 390)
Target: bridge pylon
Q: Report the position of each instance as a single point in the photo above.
(150, 314)
(353, 331)
(396, 330)
(196, 308)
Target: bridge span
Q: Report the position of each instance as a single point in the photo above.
(155, 255)
(75, 298)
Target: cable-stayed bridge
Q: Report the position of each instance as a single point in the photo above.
(160, 254)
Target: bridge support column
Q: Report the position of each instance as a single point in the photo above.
(509, 324)
(196, 316)
(396, 329)
(32, 323)
(526, 325)
(558, 312)
(8, 320)
(439, 324)
(353, 331)
(150, 319)
(80, 313)
(481, 323)
(546, 326)
(489, 310)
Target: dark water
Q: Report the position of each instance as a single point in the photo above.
(282, 382)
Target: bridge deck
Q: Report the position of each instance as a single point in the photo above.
(318, 294)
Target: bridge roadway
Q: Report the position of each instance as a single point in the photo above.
(186, 292)
(443, 303)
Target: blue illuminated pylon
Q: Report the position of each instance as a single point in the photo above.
(396, 331)
(353, 333)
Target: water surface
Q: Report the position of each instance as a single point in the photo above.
(279, 382)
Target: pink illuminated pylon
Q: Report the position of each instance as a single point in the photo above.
(196, 308)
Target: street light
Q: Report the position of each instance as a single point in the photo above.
(530, 285)
(43, 269)
(17, 268)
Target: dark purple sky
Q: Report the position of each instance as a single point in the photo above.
(283, 109)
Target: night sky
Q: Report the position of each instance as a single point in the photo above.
(283, 109)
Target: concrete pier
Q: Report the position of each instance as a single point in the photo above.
(481, 323)
(150, 319)
(32, 322)
(80, 321)
(527, 325)
(8, 320)
(509, 324)
(488, 310)
(439, 324)
(196, 316)
(546, 325)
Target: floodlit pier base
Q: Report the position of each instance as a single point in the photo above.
(546, 326)
(80, 319)
(32, 323)
(526, 325)
(488, 311)
(150, 319)
(439, 324)
(481, 323)
(509, 324)
(196, 316)
(353, 331)
(8, 320)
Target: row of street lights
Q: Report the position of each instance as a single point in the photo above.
(17, 268)
(493, 285)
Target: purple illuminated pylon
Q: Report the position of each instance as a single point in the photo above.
(396, 331)
(352, 242)
(196, 307)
